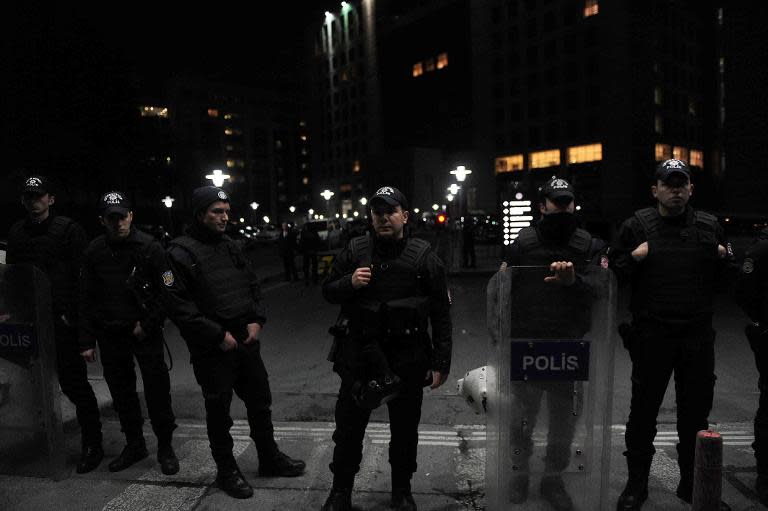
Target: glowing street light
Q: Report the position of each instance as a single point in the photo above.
(168, 201)
(292, 209)
(416, 210)
(311, 211)
(327, 194)
(461, 173)
(218, 177)
(435, 207)
(363, 201)
(454, 189)
(266, 219)
(449, 197)
(242, 220)
(254, 206)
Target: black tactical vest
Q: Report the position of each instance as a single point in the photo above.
(50, 252)
(677, 278)
(222, 288)
(547, 310)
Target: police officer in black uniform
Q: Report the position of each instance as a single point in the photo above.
(559, 311)
(120, 308)
(673, 256)
(390, 286)
(752, 295)
(54, 244)
(214, 298)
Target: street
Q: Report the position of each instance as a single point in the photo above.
(451, 460)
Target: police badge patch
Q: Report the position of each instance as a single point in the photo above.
(748, 266)
(168, 278)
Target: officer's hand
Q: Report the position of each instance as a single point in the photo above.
(641, 252)
(564, 273)
(722, 252)
(438, 379)
(229, 343)
(139, 332)
(361, 277)
(89, 355)
(503, 267)
(254, 329)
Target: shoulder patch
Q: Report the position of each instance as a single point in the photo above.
(168, 278)
(748, 266)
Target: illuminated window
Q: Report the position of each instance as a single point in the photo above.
(657, 96)
(418, 70)
(233, 131)
(680, 153)
(590, 8)
(663, 152)
(585, 153)
(442, 60)
(511, 163)
(541, 159)
(230, 116)
(230, 164)
(429, 65)
(345, 187)
(356, 166)
(697, 158)
(212, 112)
(658, 124)
(303, 138)
(692, 107)
(302, 124)
(305, 180)
(153, 111)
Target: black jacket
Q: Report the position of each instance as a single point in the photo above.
(338, 289)
(198, 301)
(120, 283)
(751, 290)
(55, 246)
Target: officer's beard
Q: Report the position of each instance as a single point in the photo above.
(558, 226)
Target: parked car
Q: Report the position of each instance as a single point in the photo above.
(267, 232)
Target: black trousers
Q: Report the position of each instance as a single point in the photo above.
(760, 445)
(658, 350)
(118, 350)
(73, 379)
(242, 371)
(289, 263)
(310, 259)
(351, 421)
(565, 401)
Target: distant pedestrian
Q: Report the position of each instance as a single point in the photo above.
(120, 286)
(468, 242)
(286, 245)
(213, 296)
(55, 244)
(309, 243)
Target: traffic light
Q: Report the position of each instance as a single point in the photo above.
(442, 219)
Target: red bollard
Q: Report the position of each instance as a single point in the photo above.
(708, 472)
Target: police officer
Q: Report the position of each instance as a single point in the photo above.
(673, 257)
(555, 306)
(120, 308)
(389, 285)
(752, 295)
(214, 298)
(54, 244)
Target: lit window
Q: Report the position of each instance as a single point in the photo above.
(697, 158)
(429, 65)
(356, 167)
(590, 8)
(442, 60)
(302, 124)
(417, 69)
(153, 111)
(680, 153)
(510, 163)
(541, 159)
(212, 112)
(657, 97)
(233, 131)
(658, 124)
(305, 180)
(663, 152)
(303, 138)
(230, 164)
(585, 153)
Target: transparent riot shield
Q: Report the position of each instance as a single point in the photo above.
(31, 435)
(550, 377)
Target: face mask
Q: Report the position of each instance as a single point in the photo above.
(558, 226)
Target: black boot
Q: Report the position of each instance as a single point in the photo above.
(340, 499)
(281, 465)
(636, 490)
(169, 463)
(231, 480)
(552, 489)
(402, 499)
(132, 453)
(90, 458)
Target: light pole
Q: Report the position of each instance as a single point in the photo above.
(461, 173)
(217, 177)
(327, 194)
(168, 201)
(254, 206)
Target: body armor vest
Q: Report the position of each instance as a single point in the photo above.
(50, 252)
(677, 278)
(547, 310)
(222, 287)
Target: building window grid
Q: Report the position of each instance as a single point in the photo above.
(585, 153)
(511, 163)
(543, 159)
(663, 152)
(680, 153)
(697, 158)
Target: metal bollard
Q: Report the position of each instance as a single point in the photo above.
(708, 471)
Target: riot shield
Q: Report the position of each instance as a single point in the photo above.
(550, 378)
(31, 435)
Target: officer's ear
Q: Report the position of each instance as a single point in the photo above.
(51, 199)
(654, 190)
(405, 217)
(690, 189)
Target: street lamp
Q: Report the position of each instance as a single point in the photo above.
(292, 209)
(461, 173)
(449, 197)
(254, 206)
(218, 177)
(363, 201)
(435, 207)
(266, 219)
(168, 201)
(327, 194)
(454, 189)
